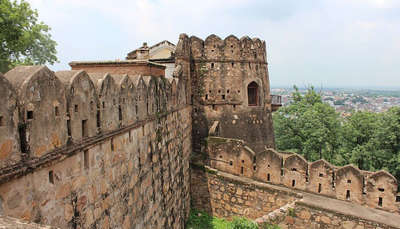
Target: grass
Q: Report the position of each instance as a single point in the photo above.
(201, 220)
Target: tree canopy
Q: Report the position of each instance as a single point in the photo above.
(23, 39)
(312, 128)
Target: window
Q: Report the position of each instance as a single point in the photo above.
(206, 96)
(321, 175)
(91, 105)
(319, 188)
(130, 136)
(294, 169)
(233, 64)
(51, 177)
(252, 93)
(69, 127)
(241, 170)
(29, 115)
(120, 113)
(293, 183)
(56, 111)
(381, 189)
(86, 159)
(242, 161)
(104, 105)
(223, 97)
(1, 121)
(234, 106)
(84, 128)
(112, 144)
(212, 65)
(268, 177)
(254, 168)
(98, 119)
(230, 163)
(347, 194)
(76, 108)
(380, 201)
(349, 181)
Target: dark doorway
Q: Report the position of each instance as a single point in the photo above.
(252, 94)
(84, 128)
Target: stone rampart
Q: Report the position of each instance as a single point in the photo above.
(227, 195)
(94, 150)
(373, 189)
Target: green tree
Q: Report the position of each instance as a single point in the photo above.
(23, 39)
(307, 126)
(358, 140)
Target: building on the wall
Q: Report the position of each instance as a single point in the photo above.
(161, 53)
(130, 67)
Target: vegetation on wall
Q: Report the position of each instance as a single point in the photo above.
(23, 40)
(315, 130)
(201, 220)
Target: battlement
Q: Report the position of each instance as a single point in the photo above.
(230, 49)
(42, 111)
(373, 189)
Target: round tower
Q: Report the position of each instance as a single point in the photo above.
(230, 91)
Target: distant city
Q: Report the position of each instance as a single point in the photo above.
(346, 100)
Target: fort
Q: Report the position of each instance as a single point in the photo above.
(116, 144)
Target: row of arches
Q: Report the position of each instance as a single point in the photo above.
(42, 110)
(374, 189)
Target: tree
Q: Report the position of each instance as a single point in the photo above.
(307, 126)
(358, 140)
(23, 39)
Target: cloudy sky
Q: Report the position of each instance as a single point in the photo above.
(329, 43)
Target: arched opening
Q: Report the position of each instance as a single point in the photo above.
(252, 94)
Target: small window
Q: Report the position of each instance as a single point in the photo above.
(69, 127)
(234, 106)
(86, 159)
(219, 91)
(212, 50)
(206, 96)
(1, 121)
(84, 128)
(268, 166)
(233, 64)
(249, 65)
(227, 91)
(213, 107)
(56, 111)
(231, 46)
(98, 124)
(104, 104)
(268, 177)
(238, 91)
(76, 108)
(230, 163)
(242, 161)
(380, 201)
(349, 181)
(29, 115)
(220, 156)
(347, 194)
(136, 109)
(321, 175)
(112, 144)
(294, 169)
(91, 105)
(51, 177)
(241, 170)
(381, 189)
(319, 188)
(254, 168)
(293, 183)
(212, 65)
(120, 113)
(255, 56)
(130, 136)
(223, 97)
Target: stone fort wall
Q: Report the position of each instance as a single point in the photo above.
(373, 189)
(81, 150)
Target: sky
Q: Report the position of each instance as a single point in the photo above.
(327, 43)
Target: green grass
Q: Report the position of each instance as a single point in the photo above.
(201, 220)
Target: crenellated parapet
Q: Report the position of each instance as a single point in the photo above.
(42, 111)
(348, 183)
